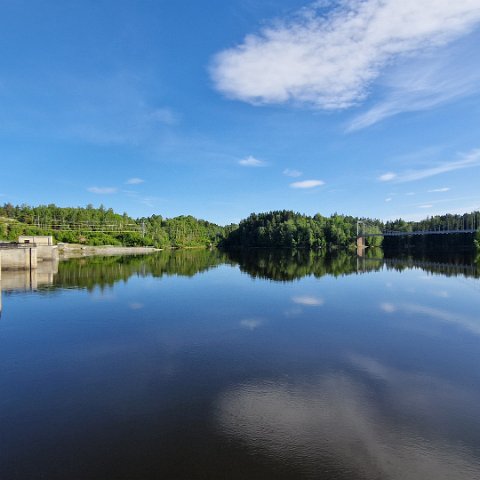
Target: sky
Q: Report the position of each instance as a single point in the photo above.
(219, 109)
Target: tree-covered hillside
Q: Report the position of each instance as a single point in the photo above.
(287, 229)
(276, 229)
(100, 226)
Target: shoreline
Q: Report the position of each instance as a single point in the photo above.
(76, 251)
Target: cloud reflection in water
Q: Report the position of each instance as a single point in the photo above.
(335, 425)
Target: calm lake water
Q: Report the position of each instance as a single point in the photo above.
(199, 365)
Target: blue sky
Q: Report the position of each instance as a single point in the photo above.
(219, 109)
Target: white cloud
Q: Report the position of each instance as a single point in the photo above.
(386, 177)
(329, 59)
(307, 184)
(308, 301)
(251, 162)
(102, 190)
(134, 181)
(410, 194)
(389, 199)
(292, 173)
(439, 190)
(468, 160)
(425, 206)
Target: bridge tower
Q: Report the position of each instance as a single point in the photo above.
(360, 238)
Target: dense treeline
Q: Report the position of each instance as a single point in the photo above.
(183, 231)
(287, 229)
(437, 222)
(100, 226)
(278, 229)
(431, 243)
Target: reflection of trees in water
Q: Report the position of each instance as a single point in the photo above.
(452, 268)
(277, 265)
(428, 244)
(105, 271)
(288, 265)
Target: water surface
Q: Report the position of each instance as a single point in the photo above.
(259, 365)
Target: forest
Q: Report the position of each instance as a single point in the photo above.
(101, 226)
(277, 229)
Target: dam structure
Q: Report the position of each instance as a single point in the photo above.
(27, 252)
(27, 263)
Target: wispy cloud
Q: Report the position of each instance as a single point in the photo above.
(165, 116)
(439, 190)
(389, 199)
(134, 181)
(425, 206)
(292, 173)
(149, 201)
(252, 162)
(102, 190)
(329, 58)
(386, 177)
(468, 160)
(307, 184)
(422, 84)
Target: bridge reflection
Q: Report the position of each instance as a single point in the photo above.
(454, 266)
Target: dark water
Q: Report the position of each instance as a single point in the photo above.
(197, 365)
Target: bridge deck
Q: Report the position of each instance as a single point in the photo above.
(419, 232)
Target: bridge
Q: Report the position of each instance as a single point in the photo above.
(366, 230)
(388, 233)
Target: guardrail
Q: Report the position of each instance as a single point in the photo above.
(417, 232)
(17, 245)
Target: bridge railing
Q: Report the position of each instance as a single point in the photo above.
(5, 245)
(390, 233)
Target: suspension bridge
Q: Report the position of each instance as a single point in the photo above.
(366, 229)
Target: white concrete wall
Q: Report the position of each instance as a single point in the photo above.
(19, 258)
(46, 252)
(38, 239)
